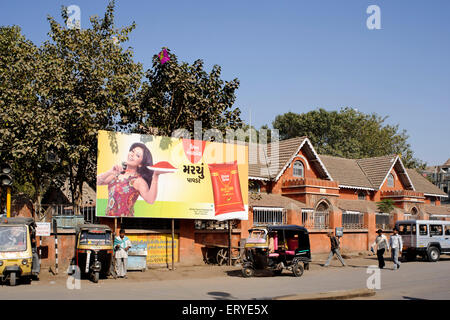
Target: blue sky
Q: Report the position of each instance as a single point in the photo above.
(297, 55)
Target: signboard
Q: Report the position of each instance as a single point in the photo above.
(43, 229)
(161, 177)
(157, 246)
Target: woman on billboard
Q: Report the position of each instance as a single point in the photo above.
(126, 184)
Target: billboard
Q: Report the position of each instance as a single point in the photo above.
(161, 177)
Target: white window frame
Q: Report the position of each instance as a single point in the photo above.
(302, 168)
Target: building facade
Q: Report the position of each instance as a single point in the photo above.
(440, 176)
(323, 192)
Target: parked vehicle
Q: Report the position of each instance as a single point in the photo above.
(94, 251)
(426, 238)
(18, 256)
(275, 248)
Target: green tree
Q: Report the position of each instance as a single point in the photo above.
(348, 133)
(26, 125)
(386, 205)
(90, 83)
(176, 94)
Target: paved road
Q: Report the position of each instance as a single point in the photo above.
(415, 280)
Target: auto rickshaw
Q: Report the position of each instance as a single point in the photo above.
(18, 255)
(275, 248)
(94, 251)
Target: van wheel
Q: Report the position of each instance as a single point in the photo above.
(12, 279)
(248, 272)
(433, 254)
(297, 269)
(95, 277)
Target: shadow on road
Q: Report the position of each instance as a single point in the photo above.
(412, 298)
(218, 295)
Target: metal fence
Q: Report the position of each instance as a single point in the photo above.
(315, 219)
(353, 220)
(45, 211)
(384, 221)
(265, 216)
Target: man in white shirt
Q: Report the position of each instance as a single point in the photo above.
(382, 244)
(121, 246)
(396, 244)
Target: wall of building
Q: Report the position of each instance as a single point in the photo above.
(66, 250)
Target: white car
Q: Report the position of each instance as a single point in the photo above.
(427, 238)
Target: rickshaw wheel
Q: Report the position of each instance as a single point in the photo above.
(12, 279)
(277, 272)
(297, 269)
(95, 277)
(248, 272)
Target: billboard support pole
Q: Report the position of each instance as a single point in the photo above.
(229, 242)
(173, 239)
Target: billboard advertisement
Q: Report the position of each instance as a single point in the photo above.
(160, 177)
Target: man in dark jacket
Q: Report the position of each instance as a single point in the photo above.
(334, 250)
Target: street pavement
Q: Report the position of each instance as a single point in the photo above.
(414, 280)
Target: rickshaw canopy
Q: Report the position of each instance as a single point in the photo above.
(92, 227)
(18, 220)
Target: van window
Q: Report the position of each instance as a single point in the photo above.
(414, 229)
(404, 229)
(435, 230)
(447, 229)
(423, 230)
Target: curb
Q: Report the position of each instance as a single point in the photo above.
(331, 295)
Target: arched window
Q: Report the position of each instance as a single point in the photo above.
(299, 170)
(390, 180)
(414, 211)
(361, 195)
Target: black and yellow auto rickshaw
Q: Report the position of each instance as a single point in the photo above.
(94, 251)
(18, 255)
(275, 248)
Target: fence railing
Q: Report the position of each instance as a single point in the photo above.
(45, 211)
(315, 219)
(384, 221)
(265, 216)
(353, 220)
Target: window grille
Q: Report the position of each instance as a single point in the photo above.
(267, 215)
(353, 220)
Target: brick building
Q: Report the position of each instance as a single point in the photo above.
(300, 187)
(323, 192)
(440, 176)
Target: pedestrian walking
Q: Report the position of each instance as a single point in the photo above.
(396, 244)
(381, 243)
(334, 250)
(121, 246)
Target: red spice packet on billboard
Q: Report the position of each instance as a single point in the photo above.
(226, 188)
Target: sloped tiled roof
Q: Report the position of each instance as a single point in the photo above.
(264, 163)
(376, 168)
(267, 162)
(360, 206)
(447, 163)
(430, 209)
(346, 171)
(421, 184)
(274, 200)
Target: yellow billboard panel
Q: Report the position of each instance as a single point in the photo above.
(162, 177)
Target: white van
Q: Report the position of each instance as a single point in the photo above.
(427, 238)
